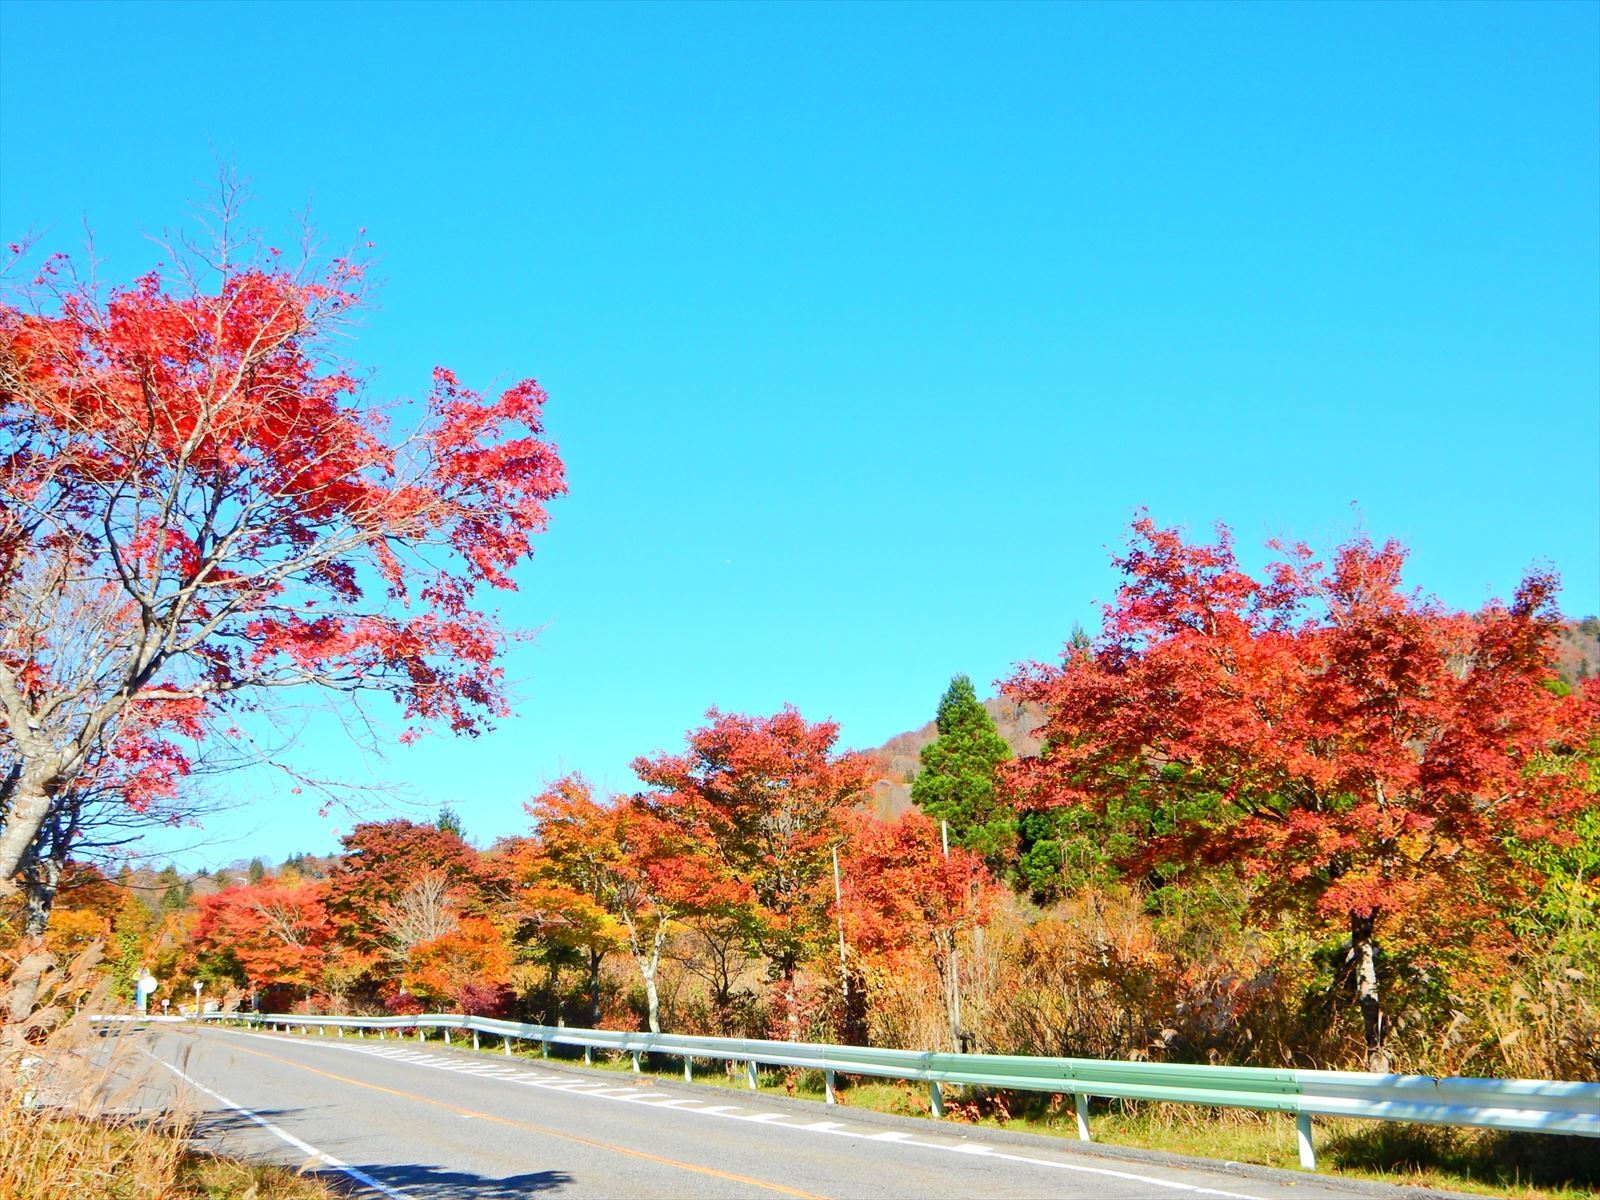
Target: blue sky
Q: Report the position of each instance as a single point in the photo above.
(867, 327)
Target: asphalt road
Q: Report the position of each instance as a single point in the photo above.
(400, 1119)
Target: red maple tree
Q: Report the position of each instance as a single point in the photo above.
(278, 931)
(908, 896)
(200, 506)
(381, 863)
(1361, 755)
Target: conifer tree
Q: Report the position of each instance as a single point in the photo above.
(958, 780)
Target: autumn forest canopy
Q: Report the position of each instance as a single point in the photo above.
(1299, 814)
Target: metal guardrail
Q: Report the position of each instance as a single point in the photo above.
(1526, 1105)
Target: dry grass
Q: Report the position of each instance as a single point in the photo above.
(74, 1118)
(48, 1157)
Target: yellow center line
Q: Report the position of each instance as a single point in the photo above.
(544, 1129)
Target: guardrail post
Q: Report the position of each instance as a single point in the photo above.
(827, 1086)
(752, 1073)
(422, 1035)
(936, 1097)
(447, 1035)
(1080, 1103)
(635, 1062)
(544, 1048)
(505, 1044)
(588, 1056)
(382, 1035)
(688, 1069)
(474, 1039)
(361, 1034)
(1302, 1137)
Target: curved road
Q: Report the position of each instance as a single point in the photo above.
(399, 1119)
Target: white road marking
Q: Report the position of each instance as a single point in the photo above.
(829, 1128)
(305, 1148)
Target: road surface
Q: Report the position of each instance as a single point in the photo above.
(395, 1118)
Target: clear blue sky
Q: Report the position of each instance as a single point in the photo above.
(866, 327)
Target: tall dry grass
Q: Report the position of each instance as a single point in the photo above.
(79, 1115)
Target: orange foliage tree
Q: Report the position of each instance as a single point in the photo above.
(624, 861)
(771, 800)
(468, 968)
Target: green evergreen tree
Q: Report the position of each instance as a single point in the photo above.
(173, 896)
(449, 821)
(959, 783)
(1061, 849)
(257, 870)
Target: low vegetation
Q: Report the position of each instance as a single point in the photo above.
(76, 1121)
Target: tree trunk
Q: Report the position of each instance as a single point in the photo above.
(594, 988)
(788, 968)
(34, 962)
(39, 883)
(1364, 957)
(30, 805)
(652, 1000)
(647, 968)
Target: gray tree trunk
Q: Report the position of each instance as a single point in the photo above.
(1364, 956)
(24, 816)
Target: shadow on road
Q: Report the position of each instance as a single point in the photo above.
(437, 1183)
(415, 1179)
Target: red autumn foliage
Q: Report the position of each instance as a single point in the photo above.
(903, 894)
(1360, 754)
(772, 799)
(279, 931)
(381, 860)
(190, 472)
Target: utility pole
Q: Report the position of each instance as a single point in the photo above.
(838, 909)
(953, 1001)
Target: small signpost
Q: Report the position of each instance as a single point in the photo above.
(143, 985)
